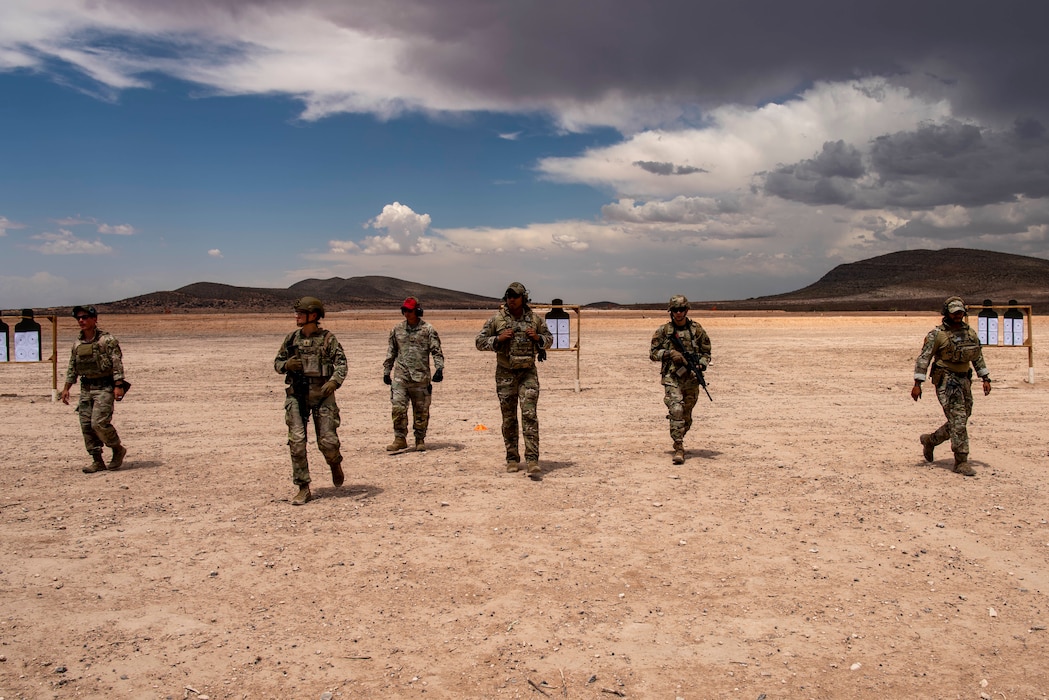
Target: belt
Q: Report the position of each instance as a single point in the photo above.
(99, 383)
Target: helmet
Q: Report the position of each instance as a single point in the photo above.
(412, 304)
(953, 304)
(516, 288)
(311, 305)
(678, 300)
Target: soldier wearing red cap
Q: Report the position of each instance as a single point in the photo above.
(406, 370)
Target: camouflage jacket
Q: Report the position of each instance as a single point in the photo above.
(95, 359)
(951, 348)
(692, 336)
(321, 354)
(408, 352)
(518, 352)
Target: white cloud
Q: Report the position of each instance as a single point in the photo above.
(119, 230)
(215, 253)
(405, 235)
(65, 243)
(6, 224)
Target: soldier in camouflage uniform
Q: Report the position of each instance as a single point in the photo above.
(315, 365)
(517, 335)
(950, 348)
(680, 386)
(97, 360)
(412, 341)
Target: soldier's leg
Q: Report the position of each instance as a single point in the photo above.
(506, 389)
(399, 400)
(326, 421)
(420, 396)
(102, 416)
(675, 401)
(85, 409)
(528, 396)
(689, 397)
(956, 400)
(300, 471)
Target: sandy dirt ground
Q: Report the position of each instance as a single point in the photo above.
(804, 550)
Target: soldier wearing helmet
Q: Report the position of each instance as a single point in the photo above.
(315, 367)
(680, 385)
(517, 336)
(406, 370)
(949, 349)
(99, 363)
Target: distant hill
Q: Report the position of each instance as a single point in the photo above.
(911, 280)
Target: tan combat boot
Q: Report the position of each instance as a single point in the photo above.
(927, 447)
(679, 452)
(118, 458)
(533, 470)
(961, 464)
(337, 477)
(398, 444)
(96, 465)
(512, 465)
(303, 496)
(420, 444)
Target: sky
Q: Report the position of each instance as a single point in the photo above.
(595, 150)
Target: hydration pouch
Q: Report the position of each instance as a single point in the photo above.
(311, 365)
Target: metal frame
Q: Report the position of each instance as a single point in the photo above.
(53, 360)
(1028, 341)
(578, 336)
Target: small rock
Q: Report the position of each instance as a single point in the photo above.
(992, 612)
(855, 667)
(326, 696)
(60, 669)
(213, 573)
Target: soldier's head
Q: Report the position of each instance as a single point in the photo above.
(954, 309)
(86, 317)
(412, 310)
(678, 307)
(515, 295)
(308, 310)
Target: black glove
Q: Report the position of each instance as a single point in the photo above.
(541, 355)
(386, 379)
(438, 376)
(293, 364)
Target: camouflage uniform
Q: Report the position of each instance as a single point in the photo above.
(516, 378)
(681, 391)
(100, 366)
(408, 361)
(324, 361)
(950, 349)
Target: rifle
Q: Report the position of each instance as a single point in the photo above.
(691, 361)
(300, 387)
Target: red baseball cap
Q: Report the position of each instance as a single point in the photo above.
(410, 304)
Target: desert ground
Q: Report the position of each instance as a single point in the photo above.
(804, 550)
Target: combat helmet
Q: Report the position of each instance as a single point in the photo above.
(678, 300)
(311, 305)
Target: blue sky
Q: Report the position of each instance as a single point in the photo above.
(594, 151)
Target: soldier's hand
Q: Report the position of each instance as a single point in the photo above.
(386, 379)
(438, 376)
(676, 357)
(65, 396)
(531, 333)
(293, 364)
(541, 355)
(702, 365)
(329, 387)
(507, 334)
(986, 386)
(916, 391)
(118, 393)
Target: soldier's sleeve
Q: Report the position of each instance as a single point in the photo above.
(921, 366)
(978, 362)
(282, 355)
(544, 332)
(435, 349)
(659, 346)
(485, 340)
(116, 357)
(71, 374)
(338, 359)
(391, 352)
(703, 344)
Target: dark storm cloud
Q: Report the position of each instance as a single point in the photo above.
(935, 165)
(658, 168)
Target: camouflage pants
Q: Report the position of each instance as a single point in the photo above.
(956, 398)
(680, 400)
(325, 422)
(95, 410)
(418, 395)
(519, 386)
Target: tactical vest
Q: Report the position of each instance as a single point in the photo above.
(521, 349)
(315, 362)
(958, 348)
(91, 362)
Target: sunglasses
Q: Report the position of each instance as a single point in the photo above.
(82, 318)
(679, 310)
(511, 295)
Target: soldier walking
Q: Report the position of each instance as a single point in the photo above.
(517, 335)
(315, 365)
(680, 385)
(98, 361)
(407, 371)
(950, 348)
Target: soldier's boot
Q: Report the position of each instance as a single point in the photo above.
(303, 496)
(398, 444)
(337, 477)
(96, 465)
(961, 464)
(679, 452)
(533, 470)
(420, 444)
(927, 447)
(118, 458)
(513, 464)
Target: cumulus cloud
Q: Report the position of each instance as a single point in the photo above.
(405, 234)
(65, 243)
(6, 224)
(119, 230)
(215, 253)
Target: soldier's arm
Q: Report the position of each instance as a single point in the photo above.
(338, 360)
(435, 349)
(703, 344)
(921, 365)
(71, 374)
(391, 352)
(116, 357)
(659, 346)
(485, 340)
(545, 335)
(282, 357)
